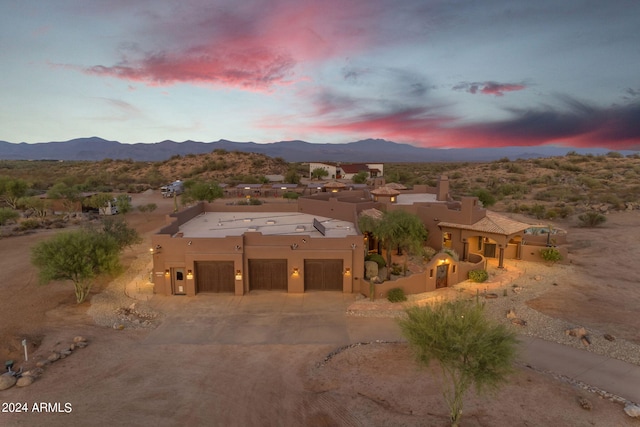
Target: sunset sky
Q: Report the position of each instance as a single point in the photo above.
(430, 73)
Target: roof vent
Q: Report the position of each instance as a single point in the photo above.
(300, 228)
(253, 228)
(271, 222)
(247, 220)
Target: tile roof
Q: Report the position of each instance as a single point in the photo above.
(491, 223)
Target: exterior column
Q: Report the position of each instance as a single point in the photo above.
(465, 250)
(501, 257)
(519, 250)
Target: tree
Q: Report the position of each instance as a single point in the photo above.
(319, 173)
(12, 190)
(100, 201)
(8, 214)
(400, 229)
(200, 191)
(551, 255)
(487, 199)
(121, 232)
(123, 203)
(38, 206)
(68, 194)
(470, 349)
(292, 177)
(78, 256)
(360, 177)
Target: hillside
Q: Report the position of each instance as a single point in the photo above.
(544, 188)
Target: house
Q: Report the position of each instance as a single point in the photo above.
(347, 171)
(315, 243)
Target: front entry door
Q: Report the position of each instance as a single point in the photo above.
(441, 276)
(178, 282)
(489, 250)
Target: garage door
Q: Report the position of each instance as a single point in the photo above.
(323, 275)
(268, 274)
(215, 276)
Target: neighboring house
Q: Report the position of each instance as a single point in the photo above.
(347, 171)
(314, 244)
(329, 167)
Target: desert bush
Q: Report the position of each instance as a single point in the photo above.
(537, 211)
(591, 219)
(515, 168)
(396, 295)
(28, 224)
(8, 214)
(428, 252)
(487, 199)
(551, 255)
(149, 207)
(290, 195)
(451, 252)
(377, 258)
(478, 276)
(396, 269)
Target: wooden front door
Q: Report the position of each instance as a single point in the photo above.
(442, 274)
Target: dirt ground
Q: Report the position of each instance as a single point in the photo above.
(124, 377)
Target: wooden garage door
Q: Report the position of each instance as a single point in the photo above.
(215, 276)
(323, 275)
(268, 274)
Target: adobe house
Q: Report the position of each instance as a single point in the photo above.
(315, 244)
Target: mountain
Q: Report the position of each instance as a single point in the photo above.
(368, 150)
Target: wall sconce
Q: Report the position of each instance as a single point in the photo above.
(304, 240)
(295, 272)
(189, 275)
(166, 273)
(190, 243)
(353, 246)
(238, 275)
(238, 247)
(155, 250)
(294, 246)
(347, 271)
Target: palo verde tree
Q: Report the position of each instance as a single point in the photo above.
(470, 349)
(12, 190)
(79, 256)
(100, 201)
(69, 195)
(197, 191)
(319, 173)
(360, 177)
(402, 230)
(118, 229)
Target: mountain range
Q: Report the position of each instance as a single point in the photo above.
(368, 150)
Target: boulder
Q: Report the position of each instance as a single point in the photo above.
(370, 269)
(584, 404)
(576, 332)
(53, 357)
(82, 344)
(25, 380)
(7, 381)
(79, 339)
(519, 322)
(586, 340)
(511, 314)
(632, 410)
(609, 337)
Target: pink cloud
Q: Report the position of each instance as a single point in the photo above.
(489, 88)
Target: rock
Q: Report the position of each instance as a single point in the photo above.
(584, 404)
(519, 322)
(42, 363)
(25, 380)
(7, 381)
(72, 347)
(511, 314)
(79, 339)
(82, 344)
(491, 296)
(132, 307)
(585, 340)
(370, 269)
(632, 410)
(35, 373)
(53, 357)
(65, 353)
(537, 278)
(609, 337)
(576, 332)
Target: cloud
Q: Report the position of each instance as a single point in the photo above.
(489, 87)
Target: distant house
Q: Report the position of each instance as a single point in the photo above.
(329, 167)
(348, 170)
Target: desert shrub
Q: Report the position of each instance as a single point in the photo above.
(149, 207)
(28, 224)
(551, 214)
(515, 168)
(290, 195)
(377, 258)
(396, 269)
(451, 252)
(538, 211)
(487, 199)
(428, 253)
(550, 255)
(570, 167)
(478, 276)
(564, 211)
(8, 214)
(591, 219)
(614, 155)
(396, 295)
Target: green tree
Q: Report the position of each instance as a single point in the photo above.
(69, 195)
(319, 173)
(121, 232)
(485, 197)
(196, 191)
(38, 206)
(292, 177)
(78, 256)
(123, 203)
(360, 177)
(402, 230)
(100, 201)
(551, 255)
(470, 349)
(12, 190)
(8, 214)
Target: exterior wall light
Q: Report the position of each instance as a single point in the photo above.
(347, 271)
(166, 273)
(155, 250)
(189, 275)
(238, 275)
(296, 272)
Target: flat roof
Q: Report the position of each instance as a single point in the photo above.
(223, 224)
(409, 199)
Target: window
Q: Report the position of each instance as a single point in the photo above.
(431, 273)
(179, 275)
